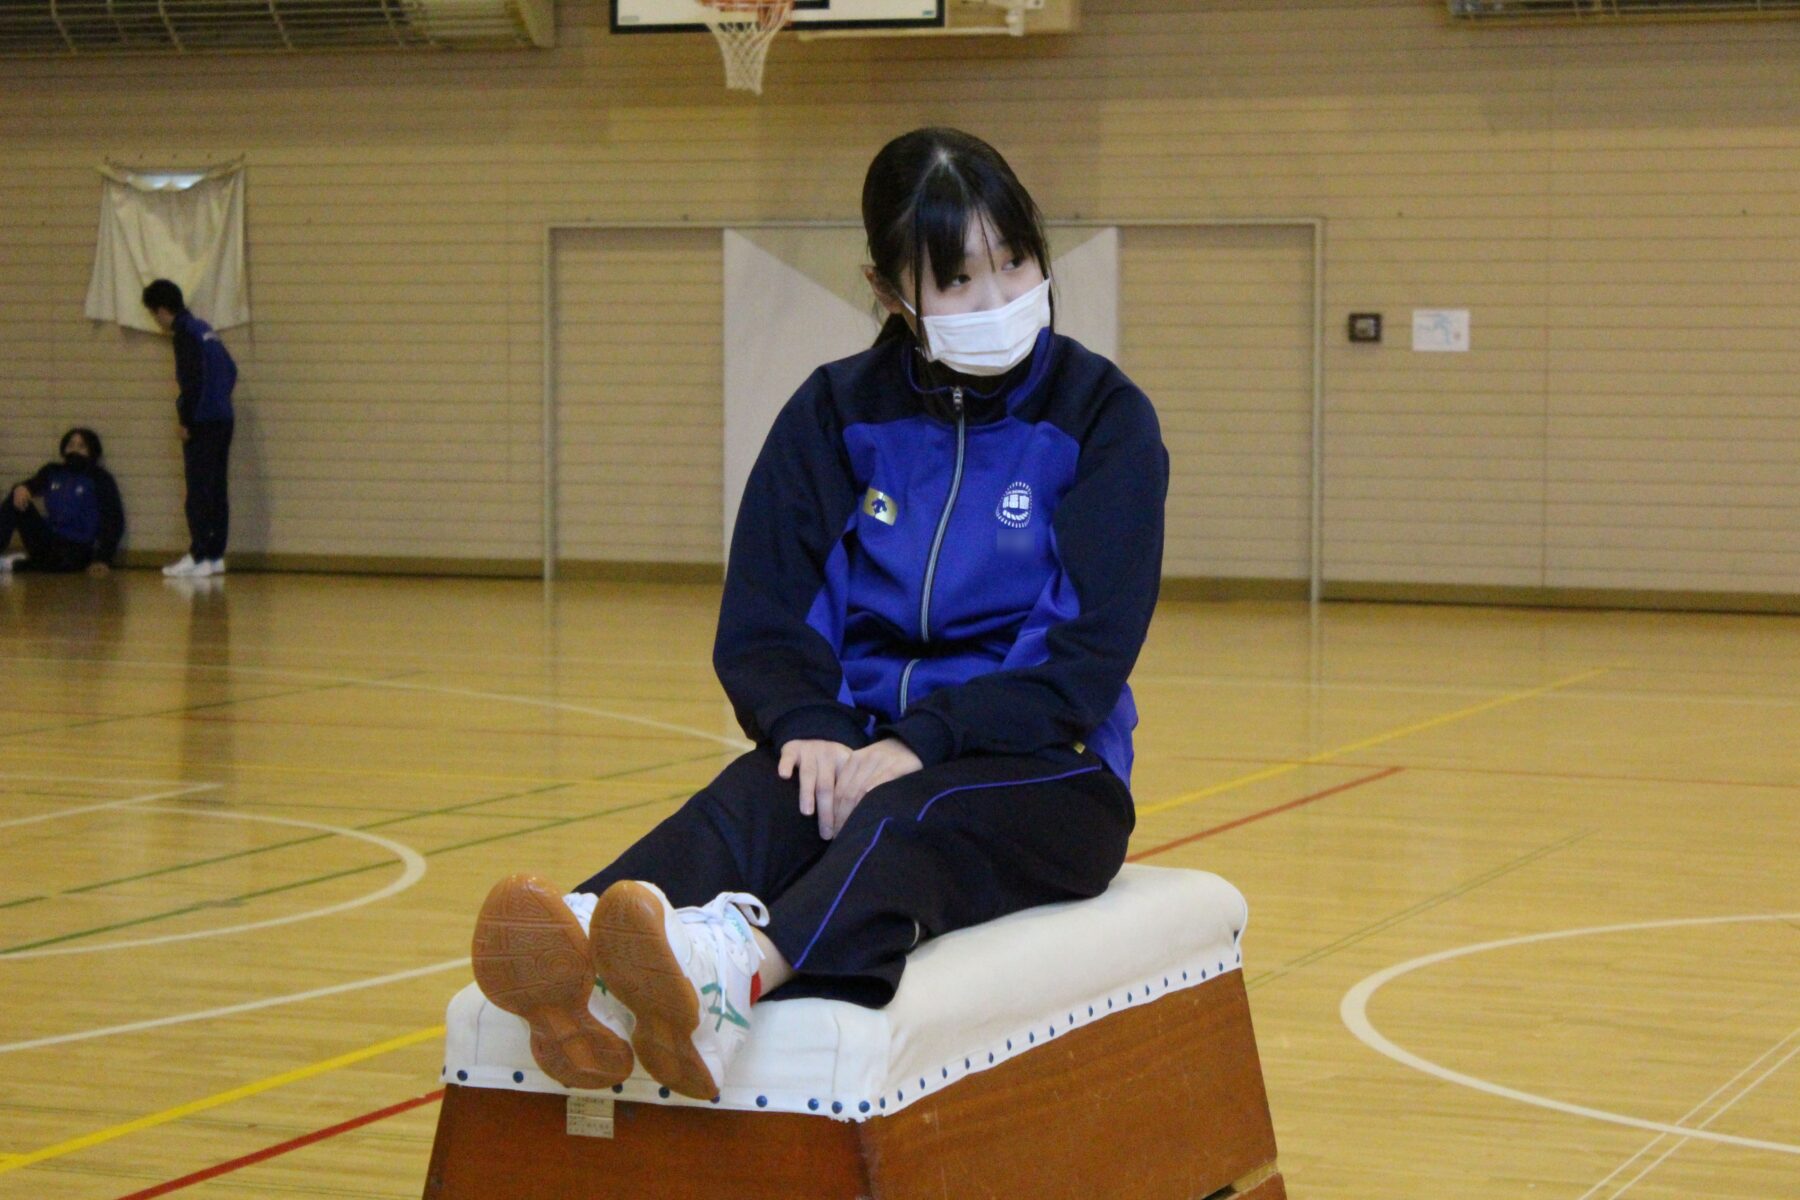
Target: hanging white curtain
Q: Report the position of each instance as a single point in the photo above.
(187, 228)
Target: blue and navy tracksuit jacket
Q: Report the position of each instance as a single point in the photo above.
(205, 370)
(969, 570)
(81, 507)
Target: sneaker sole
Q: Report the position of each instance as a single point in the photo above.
(631, 952)
(531, 959)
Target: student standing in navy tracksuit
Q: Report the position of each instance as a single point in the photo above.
(943, 570)
(82, 518)
(206, 373)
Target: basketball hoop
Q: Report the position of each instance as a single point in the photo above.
(745, 29)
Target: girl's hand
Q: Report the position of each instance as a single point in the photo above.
(866, 770)
(819, 761)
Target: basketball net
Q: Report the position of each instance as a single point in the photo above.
(745, 29)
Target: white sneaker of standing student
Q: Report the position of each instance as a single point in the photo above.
(532, 957)
(216, 566)
(685, 974)
(185, 565)
(7, 561)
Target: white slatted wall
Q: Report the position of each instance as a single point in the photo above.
(1218, 330)
(1618, 205)
(640, 428)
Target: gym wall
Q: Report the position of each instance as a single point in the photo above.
(1617, 205)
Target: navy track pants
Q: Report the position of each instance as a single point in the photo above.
(45, 549)
(204, 457)
(938, 850)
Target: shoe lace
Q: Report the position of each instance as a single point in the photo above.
(752, 909)
(715, 925)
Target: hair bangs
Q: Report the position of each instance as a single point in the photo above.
(956, 196)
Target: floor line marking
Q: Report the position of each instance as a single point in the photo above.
(195, 864)
(332, 680)
(1267, 812)
(354, 772)
(280, 1148)
(14, 822)
(1365, 743)
(232, 1010)
(1684, 1118)
(1455, 769)
(1354, 1012)
(217, 1100)
(182, 711)
(1426, 905)
(413, 870)
(271, 1002)
(600, 814)
(393, 819)
(36, 778)
(1678, 1143)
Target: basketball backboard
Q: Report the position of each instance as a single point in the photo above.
(688, 16)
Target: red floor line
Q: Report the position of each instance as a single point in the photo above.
(1452, 769)
(1267, 812)
(263, 1155)
(268, 1152)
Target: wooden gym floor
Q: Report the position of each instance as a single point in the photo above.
(246, 824)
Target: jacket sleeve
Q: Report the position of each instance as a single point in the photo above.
(782, 675)
(36, 484)
(112, 516)
(190, 373)
(1109, 537)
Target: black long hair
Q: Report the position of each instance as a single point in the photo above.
(922, 193)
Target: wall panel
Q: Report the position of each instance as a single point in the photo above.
(1618, 205)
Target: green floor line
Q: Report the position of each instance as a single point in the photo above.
(1388, 922)
(409, 816)
(349, 871)
(182, 711)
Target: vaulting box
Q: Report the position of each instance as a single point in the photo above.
(1070, 1052)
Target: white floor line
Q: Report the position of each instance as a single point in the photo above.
(397, 685)
(88, 808)
(1722, 1110)
(1685, 1117)
(412, 861)
(1354, 1012)
(560, 706)
(230, 1010)
(36, 777)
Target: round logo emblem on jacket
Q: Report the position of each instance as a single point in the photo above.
(1015, 506)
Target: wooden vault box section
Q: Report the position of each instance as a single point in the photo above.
(1163, 1102)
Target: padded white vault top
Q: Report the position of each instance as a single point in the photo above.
(968, 1001)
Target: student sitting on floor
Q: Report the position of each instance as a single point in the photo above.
(943, 570)
(82, 518)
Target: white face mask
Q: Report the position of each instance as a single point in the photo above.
(991, 342)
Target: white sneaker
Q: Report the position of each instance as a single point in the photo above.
(203, 569)
(531, 958)
(214, 566)
(7, 561)
(603, 1004)
(685, 975)
(185, 565)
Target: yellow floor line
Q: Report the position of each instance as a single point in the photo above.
(12, 1162)
(1365, 743)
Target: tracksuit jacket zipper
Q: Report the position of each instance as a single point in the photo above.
(937, 544)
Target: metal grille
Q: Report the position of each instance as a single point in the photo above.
(70, 27)
(1515, 10)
